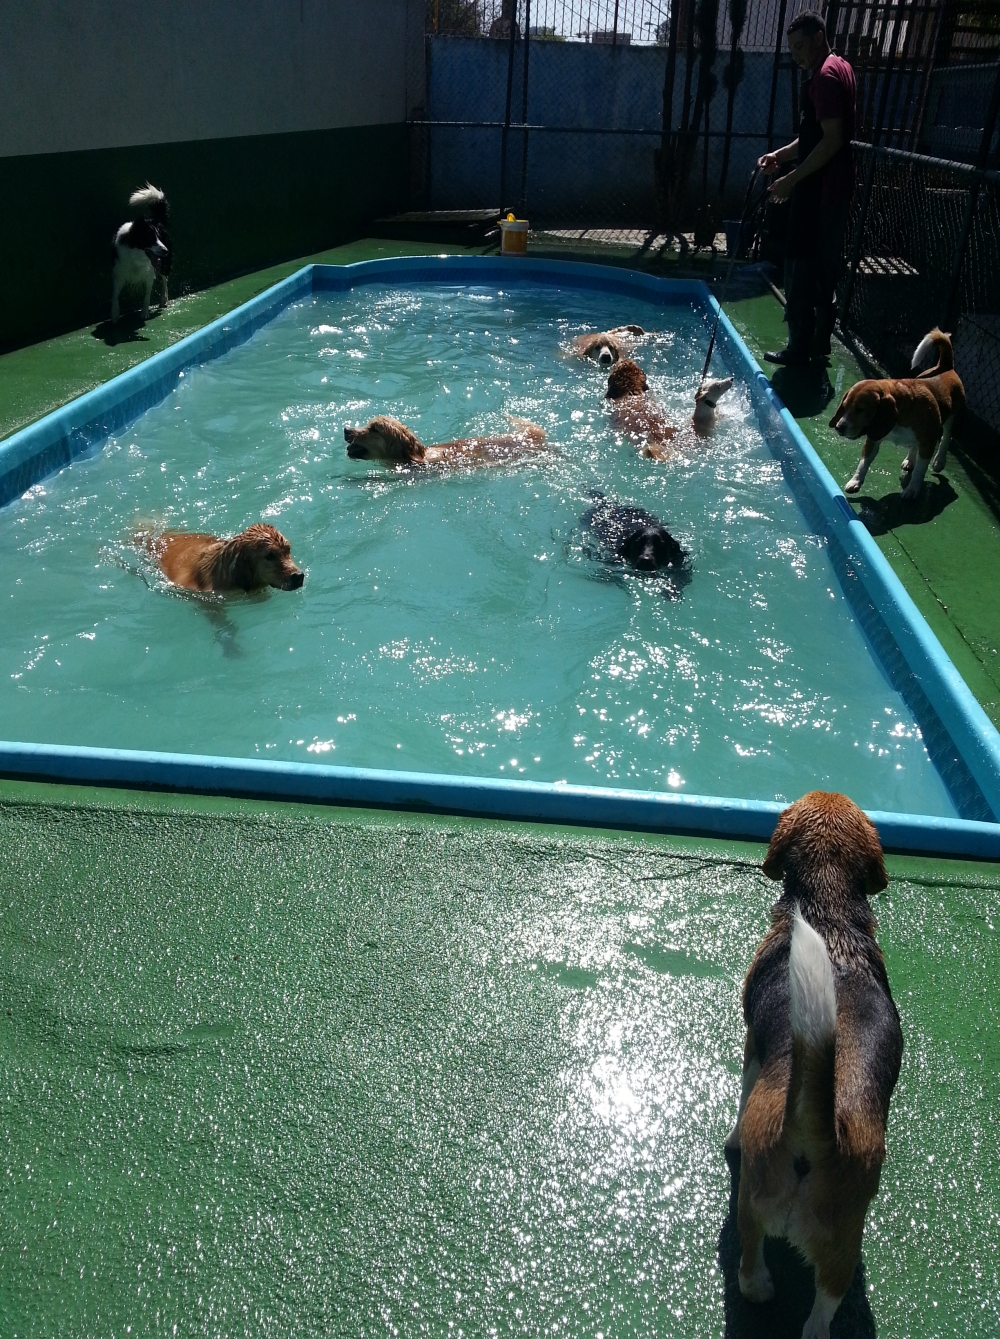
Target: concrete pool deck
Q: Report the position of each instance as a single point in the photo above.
(280, 1069)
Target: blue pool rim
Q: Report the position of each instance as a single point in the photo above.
(47, 446)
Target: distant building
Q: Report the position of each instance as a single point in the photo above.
(602, 38)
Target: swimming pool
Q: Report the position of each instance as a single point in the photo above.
(460, 625)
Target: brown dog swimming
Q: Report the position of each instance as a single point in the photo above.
(822, 1055)
(639, 415)
(918, 411)
(606, 347)
(387, 440)
(259, 556)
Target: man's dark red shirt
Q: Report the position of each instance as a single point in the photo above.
(833, 94)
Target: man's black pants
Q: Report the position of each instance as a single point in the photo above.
(811, 285)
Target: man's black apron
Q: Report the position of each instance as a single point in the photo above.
(804, 206)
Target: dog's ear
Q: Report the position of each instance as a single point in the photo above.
(876, 878)
(781, 841)
(884, 419)
(840, 410)
(244, 568)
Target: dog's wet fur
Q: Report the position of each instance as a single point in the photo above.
(606, 347)
(632, 536)
(390, 442)
(637, 413)
(257, 557)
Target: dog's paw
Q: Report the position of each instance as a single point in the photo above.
(911, 492)
(758, 1286)
(816, 1327)
(937, 465)
(852, 485)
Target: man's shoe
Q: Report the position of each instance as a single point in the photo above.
(787, 357)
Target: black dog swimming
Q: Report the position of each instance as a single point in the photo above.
(637, 539)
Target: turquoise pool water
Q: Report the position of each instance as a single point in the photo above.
(455, 623)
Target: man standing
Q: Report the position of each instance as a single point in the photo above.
(819, 190)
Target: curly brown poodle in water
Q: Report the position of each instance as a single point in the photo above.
(259, 556)
(637, 413)
(392, 443)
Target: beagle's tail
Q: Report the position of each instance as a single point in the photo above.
(813, 1002)
(935, 345)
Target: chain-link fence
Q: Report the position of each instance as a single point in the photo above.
(603, 113)
(927, 251)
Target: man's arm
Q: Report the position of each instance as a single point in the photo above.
(831, 143)
(768, 162)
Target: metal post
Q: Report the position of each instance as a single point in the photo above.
(688, 67)
(524, 111)
(925, 86)
(505, 133)
(859, 234)
(664, 160)
(614, 30)
(982, 158)
(774, 73)
(670, 76)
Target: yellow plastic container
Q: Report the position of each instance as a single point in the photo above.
(513, 236)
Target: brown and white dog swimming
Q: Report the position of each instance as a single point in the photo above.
(919, 412)
(636, 412)
(259, 556)
(822, 1055)
(390, 442)
(607, 347)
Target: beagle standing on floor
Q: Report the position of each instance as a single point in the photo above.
(822, 1055)
(918, 411)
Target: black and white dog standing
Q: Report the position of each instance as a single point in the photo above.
(142, 249)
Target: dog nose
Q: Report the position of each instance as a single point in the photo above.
(646, 560)
(295, 581)
(605, 358)
(350, 434)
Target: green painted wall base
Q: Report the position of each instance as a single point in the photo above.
(236, 205)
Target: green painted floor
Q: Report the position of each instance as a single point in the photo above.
(277, 1071)
(273, 1070)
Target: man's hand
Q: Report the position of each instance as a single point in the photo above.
(783, 187)
(768, 164)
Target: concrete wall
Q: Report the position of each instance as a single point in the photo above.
(579, 177)
(276, 128)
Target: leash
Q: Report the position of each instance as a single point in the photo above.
(729, 274)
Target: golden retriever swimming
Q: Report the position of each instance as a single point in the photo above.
(392, 443)
(260, 556)
(607, 346)
(637, 413)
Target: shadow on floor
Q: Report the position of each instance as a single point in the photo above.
(806, 391)
(880, 515)
(128, 330)
(794, 1290)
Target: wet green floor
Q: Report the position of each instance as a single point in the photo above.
(283, 1071)
(273, 1070)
